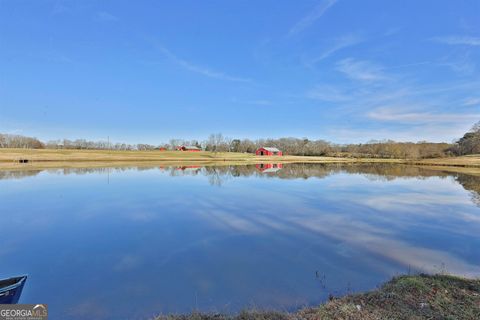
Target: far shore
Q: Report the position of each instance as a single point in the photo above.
(47, 158)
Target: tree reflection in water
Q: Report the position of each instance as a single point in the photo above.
(218, 174)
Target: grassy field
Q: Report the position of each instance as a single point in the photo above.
(37, 155)
(405, 297)
(9, 158)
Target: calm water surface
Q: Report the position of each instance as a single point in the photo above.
(129, 243)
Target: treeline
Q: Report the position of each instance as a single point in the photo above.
(373, 149)
(397, 150)
(18, 141)
(468, 144)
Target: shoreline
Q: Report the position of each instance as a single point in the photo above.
(405, 297)
(46, 158)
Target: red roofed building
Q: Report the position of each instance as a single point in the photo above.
(189, 148)
(267, 151)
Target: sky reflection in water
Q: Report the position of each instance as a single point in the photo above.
(111, 243)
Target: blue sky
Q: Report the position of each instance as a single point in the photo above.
(148, 71)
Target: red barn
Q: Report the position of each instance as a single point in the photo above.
(189, 148)
(266, 151)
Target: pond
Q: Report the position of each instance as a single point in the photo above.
(118, 243)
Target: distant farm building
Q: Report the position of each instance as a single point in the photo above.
(267, 151)
(162, 149)
(189, 148)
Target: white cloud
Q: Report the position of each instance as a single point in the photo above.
(461, 65)
(328, 93)
(458, 40)
(313, 16)
(398, 110)
(199, 69)
(403, 115)
(460, 61)
(339, 44)
(361, 70)
(472, 101)
(407, 65)
(413, 133)
(105, 16)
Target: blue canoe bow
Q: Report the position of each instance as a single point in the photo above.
(11, 289)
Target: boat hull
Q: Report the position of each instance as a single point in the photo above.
(11, 289)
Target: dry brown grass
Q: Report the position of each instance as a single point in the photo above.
(464, 161)
(405, 297)
(36, 155)
(42, 158)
